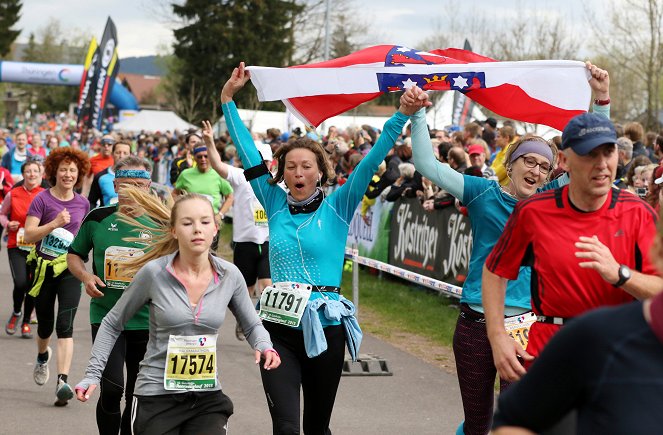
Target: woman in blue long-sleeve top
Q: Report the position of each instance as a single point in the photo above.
(308, 319)
(529, 163)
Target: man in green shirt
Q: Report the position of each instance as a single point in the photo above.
(102, 233)
(205, 181)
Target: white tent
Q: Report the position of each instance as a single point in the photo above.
(153, 120)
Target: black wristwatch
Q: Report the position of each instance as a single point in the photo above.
(624, 275)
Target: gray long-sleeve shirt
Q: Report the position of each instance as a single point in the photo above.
(171, 313)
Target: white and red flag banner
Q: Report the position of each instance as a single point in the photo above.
(548, 92)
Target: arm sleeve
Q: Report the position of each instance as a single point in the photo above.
(601, 110)
(245, 313)
(132, 300)
(82, 244)
(557, 183)
(248, 153)
(5, 210)
(348, 196)
(426, 163)
(37, 207)
(508, 253)
(646, 235)
(6, 160)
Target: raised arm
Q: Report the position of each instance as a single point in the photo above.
(242, 138)
(422, 149)
(214, 158)
(600, 84)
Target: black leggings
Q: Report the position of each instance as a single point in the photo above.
(67, 289)
(19, 271)
(318, 377)
(476, 372)
(130, 349)
(252, 260)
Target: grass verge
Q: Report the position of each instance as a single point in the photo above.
(399, 306)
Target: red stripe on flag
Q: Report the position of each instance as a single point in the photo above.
(317, 108)
(511, 101)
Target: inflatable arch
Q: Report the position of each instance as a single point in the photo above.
(61, 75)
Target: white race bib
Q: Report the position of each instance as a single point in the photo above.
(259, 214)
(190, 362)
(284, 302)
(56, 243)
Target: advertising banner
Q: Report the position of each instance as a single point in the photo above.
(436, 244)
(372, 232)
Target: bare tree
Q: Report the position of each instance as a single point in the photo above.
(349, 30)
(632, 44)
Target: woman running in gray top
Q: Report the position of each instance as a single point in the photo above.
(187, 290)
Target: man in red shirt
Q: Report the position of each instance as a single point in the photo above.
(587, 244)
(99, 162)
(104, 159)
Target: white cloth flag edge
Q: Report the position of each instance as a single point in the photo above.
(563, 84)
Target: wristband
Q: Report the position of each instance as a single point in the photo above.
(273, 350)
(602, 102)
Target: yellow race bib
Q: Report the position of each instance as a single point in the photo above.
(190, 362)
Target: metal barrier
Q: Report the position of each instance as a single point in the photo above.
(372, 365)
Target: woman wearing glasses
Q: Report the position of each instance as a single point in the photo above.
(528, 163)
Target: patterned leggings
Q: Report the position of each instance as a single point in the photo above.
(476, 371)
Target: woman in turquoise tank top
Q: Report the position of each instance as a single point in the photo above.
(308, 320)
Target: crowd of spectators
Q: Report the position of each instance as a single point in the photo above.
(476, 149)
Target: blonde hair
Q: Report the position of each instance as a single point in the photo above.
(163, 216)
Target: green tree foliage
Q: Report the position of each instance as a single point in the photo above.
(53, 45)
(9, 15)
(215, 37)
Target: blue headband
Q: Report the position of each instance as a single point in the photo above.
(533, 146)
(199, 150)
(133, 173)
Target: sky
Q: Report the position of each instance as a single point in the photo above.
(143, 27)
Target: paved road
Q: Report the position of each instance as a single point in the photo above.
(419, 399)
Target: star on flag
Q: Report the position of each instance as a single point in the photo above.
(460, 82)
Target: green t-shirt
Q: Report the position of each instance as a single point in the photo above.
(102, 233)
(209, 183)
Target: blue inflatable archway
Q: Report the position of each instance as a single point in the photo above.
(60, 75)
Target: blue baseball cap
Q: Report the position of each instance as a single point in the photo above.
(585, 132)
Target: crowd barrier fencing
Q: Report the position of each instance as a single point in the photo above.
(431, 249)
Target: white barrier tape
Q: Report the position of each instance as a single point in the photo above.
(443, 287)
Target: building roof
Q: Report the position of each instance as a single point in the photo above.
(142, 86)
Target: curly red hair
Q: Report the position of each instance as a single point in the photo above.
(66, 155)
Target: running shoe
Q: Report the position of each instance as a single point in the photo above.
(26, 331)
(40, 373)
(239, 333)
(63, 393)
(10, 328)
